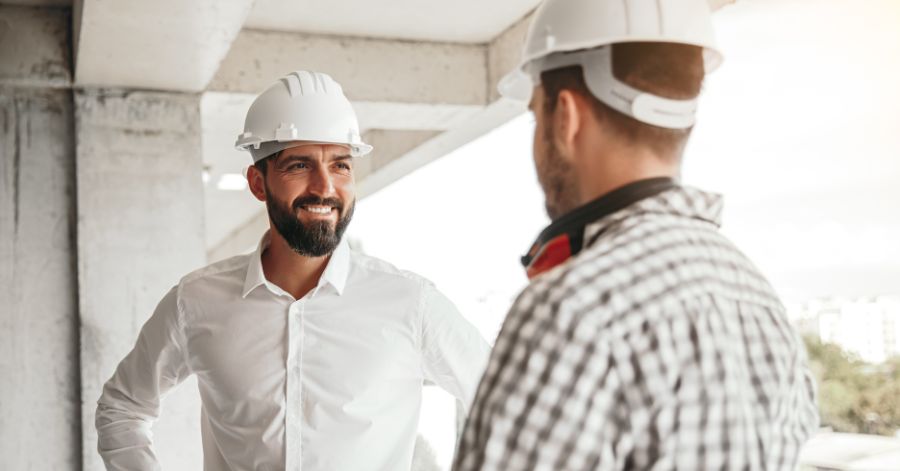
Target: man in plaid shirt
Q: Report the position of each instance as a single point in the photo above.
(646, 340)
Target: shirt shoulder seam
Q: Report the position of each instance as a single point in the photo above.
(181, 325)
(366, 262)
(212, 270)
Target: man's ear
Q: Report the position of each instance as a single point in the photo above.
(257, 183)
(568, 119)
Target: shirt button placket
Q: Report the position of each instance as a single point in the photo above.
(295, 400)
(293, 448)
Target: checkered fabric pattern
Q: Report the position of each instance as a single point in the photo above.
(659, 346)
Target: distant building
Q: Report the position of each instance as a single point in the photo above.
(868, 327)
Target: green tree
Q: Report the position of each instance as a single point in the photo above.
(855, 396)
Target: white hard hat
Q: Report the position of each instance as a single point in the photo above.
(302, 106)
(581, 32)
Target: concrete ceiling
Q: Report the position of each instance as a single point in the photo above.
(159, 45)
(468, 21)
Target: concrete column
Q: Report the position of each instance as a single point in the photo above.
(39, 418)
(39, 403)
(140, 229)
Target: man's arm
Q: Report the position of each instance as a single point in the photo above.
(453, 350)
(130, 402)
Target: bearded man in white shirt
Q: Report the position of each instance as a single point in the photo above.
(308, 355)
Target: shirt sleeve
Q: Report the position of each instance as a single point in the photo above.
(130, 402)
(454, 352)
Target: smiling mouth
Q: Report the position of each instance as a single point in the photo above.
(318, 209)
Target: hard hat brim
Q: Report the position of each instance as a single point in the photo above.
(517, 85)
(267, 149)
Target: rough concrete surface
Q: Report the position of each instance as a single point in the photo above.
(39, 400)
(377, 70)
(34, 48)
(159, 45)
(140, 229)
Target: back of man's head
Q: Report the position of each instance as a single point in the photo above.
(664, 69)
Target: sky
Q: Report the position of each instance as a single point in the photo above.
(798, 130)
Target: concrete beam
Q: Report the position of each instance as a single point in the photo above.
(505, 51)
(40, 423)
(390, 169)
(140, 229)
(412, 116)
(34, 49)
(372, 70)
(388, 145)
(501, 55)
(159, 45)
(230, 109)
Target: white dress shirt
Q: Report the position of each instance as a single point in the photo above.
(332, 381)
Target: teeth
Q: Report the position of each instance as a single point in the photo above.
(318, 209)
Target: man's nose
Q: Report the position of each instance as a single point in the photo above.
(321, 183)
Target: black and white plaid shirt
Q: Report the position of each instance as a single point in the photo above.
(659, 346)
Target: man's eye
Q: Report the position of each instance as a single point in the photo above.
(343, 166)
(298, 166)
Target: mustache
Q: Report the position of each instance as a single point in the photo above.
(301, 201)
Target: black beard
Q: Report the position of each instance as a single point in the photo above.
(315, 239)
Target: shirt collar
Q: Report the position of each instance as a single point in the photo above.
(336, 272)
(338, 269)
(682, 201)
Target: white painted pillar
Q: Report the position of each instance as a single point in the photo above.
(140, 229)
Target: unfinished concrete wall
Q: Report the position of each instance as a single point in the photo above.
(39, 398)
(38, 317)
(140, 229)
(34, 47)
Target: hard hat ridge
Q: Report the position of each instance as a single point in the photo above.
(301, 82)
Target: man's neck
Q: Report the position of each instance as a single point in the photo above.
(296, 274)
(599, 176)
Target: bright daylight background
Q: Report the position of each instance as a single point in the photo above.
(798, 130)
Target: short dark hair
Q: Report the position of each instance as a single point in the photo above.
(668, 70)
(263, 164)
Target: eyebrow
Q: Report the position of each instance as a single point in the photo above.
(308, 159)
(293, 158)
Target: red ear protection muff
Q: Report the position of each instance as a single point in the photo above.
(542, 258)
